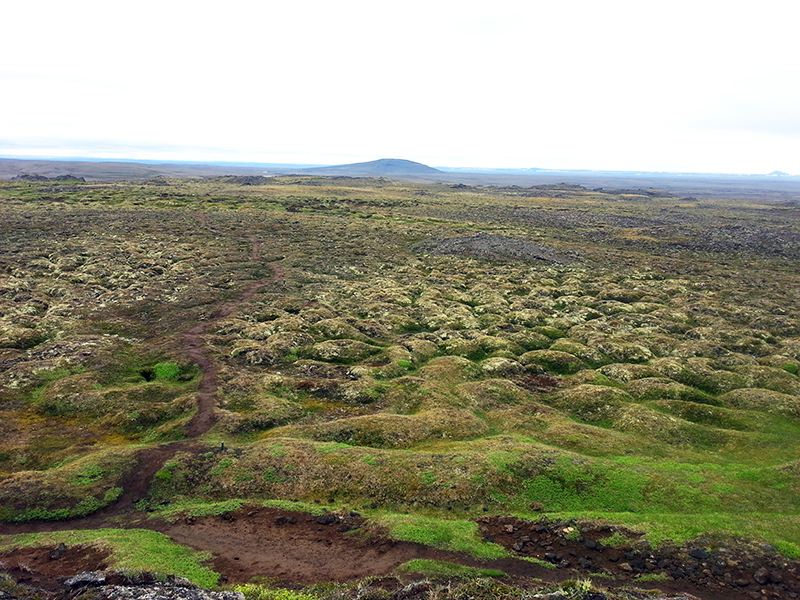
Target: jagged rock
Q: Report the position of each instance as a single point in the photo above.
(762, 576)
(168, 591)
(328, 519)
(87, 579)
(417, 589)
(487, 245)
(699, 553)
(58, 551)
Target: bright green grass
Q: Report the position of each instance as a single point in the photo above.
(455, 535)
(131, 550)
(437, 568)
(200, 508)
(645, 485)
(166, 370)
(539, 561)
(260, 592)
(780, 530)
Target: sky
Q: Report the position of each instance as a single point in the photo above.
(681, 86)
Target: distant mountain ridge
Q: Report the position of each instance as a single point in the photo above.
(382, 166)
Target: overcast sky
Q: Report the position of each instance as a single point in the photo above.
(696, 86)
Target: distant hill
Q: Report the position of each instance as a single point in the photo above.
(94, 170)
(377, 168)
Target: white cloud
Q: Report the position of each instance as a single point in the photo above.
(621, 84)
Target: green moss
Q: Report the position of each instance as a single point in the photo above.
(711, 435)
(570, 485)
(552, 360)
(73, 489)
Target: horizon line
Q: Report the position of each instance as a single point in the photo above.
(464, 169)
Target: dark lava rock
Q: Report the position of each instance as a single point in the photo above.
(58, 552)
(88, 579)
(497, 247)
(328, 519)
(167, 592)
(591, 545)
(699, 553)
(553, 558)
(638, 565)
(762, 576)
(136, 577)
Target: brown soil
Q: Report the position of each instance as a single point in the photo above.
(292, 546)
(296, 549)
(734, 572)
(46, 568)
(193, 348)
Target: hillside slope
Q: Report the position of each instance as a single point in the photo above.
(384, 167)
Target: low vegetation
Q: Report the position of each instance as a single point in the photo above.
(431, 353)
(136, 550)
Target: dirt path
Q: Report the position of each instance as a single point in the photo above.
(193, 347)
(293, 547)
(297, 549)
(150, 460)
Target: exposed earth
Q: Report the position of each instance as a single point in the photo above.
(299, 549)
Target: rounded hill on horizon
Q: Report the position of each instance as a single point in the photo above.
(383, 166)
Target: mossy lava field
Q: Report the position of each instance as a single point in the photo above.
(425, 356)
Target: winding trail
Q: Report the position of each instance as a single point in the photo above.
(150, 460)
(193, 347)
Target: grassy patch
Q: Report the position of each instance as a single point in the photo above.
(441, 569)
(200, 508)
(652, 577)
(166, 370)
(455, 535)
(670, 528)
(254, 591)
(131, 550)
(74, 489)
(539, 561)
